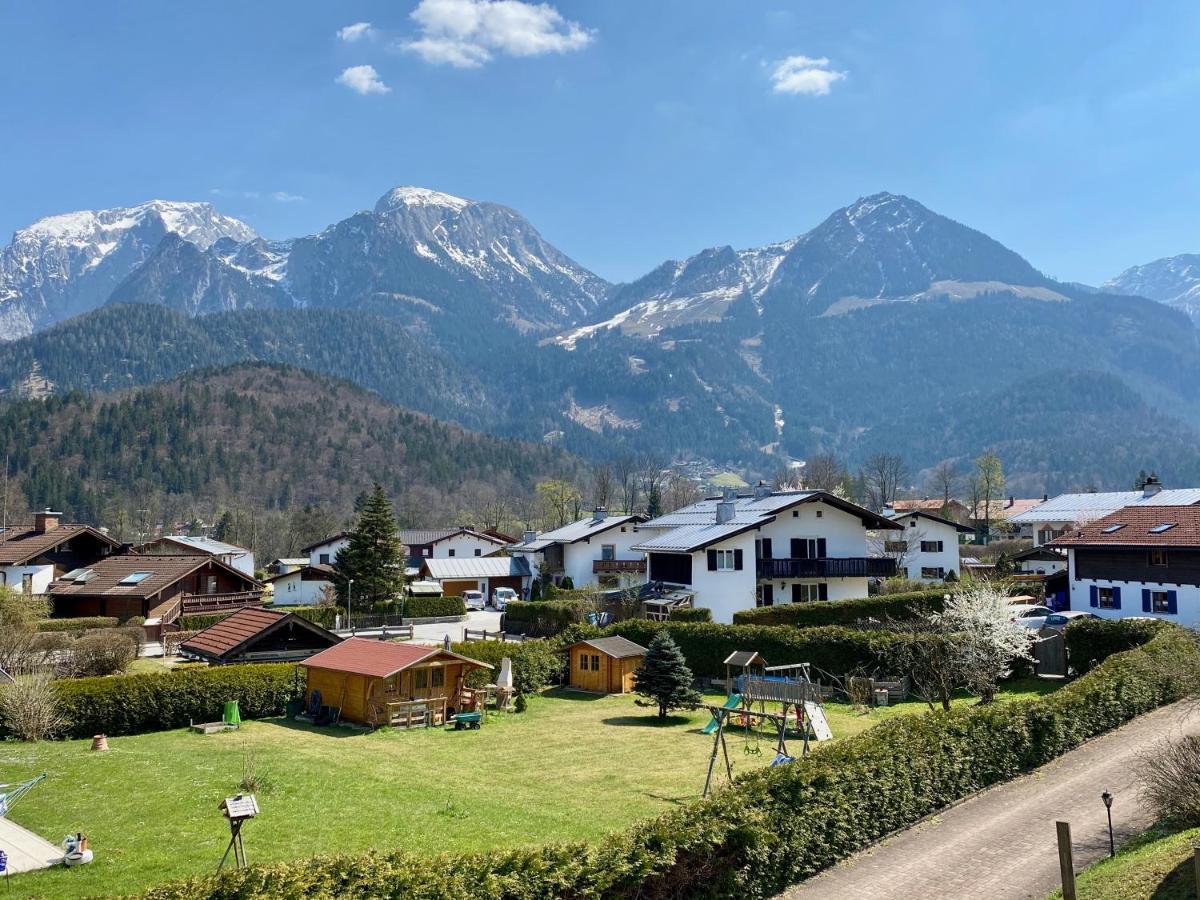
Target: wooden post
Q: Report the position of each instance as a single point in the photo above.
(1066, 862)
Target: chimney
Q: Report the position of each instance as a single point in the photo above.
(1151, 487)
(530, 536)
(1011, 502)
(1045, 497)
(44, 521)
(599, 514)
(726, 507)
(762, 490)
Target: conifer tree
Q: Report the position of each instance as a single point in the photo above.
(664, 676)
(373, 556)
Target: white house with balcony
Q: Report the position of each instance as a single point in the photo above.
(740, 551)
(927, 550)
(596, 551)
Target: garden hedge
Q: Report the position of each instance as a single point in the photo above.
(845, 612)
(80, 623)
(433, 607)
(322, 615)
(545, 618)
(536, 664)
(774, 827)
(201, 621)
(133, 704)
(691, 614)
(1091, 641)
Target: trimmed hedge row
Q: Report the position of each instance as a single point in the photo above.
(133, 704)
(433, 607)
(845, 612)
(536, 664)
(545, 617)
(321, 615)
(1091, 641)
(79, 623)
(774, 827)
(691, 614)
(201, 621)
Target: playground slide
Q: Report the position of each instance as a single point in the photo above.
(733, 701)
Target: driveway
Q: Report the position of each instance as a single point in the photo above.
(487, 619)
(1001, 844)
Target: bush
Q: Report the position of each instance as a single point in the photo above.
(1091, 641)
(79, 624)
(536, 664)
(691, 614)
(546, 617)
(172, 639)
(845, 612)
(103, 653)
(433, 607)
(30, 710)
(324, 615)
(133, 704)
(775, 826)
(1171, 782)
(200, 622)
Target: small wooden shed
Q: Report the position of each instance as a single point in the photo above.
(258, 635)
(380, 683)
(605, 665)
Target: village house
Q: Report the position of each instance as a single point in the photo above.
(182, 545)
(736, 552)
(596, 551)
(1138, 561)
(447, 543)
(325, 551)
(1005, 514)
(258, 635)
(952, 509)
(484, 574)
(303, 585)
(1057, 516)
(32, 556)
(928, 548)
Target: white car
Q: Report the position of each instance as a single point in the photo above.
(474, 599)
(1031, 615)
(501, 597)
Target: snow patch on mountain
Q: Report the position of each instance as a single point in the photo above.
(1173, 280)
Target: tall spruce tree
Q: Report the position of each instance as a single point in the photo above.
(373, 556)
(664, 676)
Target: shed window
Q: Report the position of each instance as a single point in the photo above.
(1158, 558)
(583, 662)
(437, 677)
(420, 679)
(595, 662)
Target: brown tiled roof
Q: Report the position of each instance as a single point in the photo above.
(1137, 522)
(617, 647)
(21, 543)
(1008, 507)
(377, 659)
(164, 572)
(930, 504)
(222, 638)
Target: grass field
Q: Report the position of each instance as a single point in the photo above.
(573, 766)
(1158, 864)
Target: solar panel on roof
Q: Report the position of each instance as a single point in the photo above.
(1165, 526)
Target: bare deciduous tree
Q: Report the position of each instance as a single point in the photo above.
(884, 473)
(30, 709)
(679, 492)
(625, 470)
(944, 481)
(823, 472)
(602, 484)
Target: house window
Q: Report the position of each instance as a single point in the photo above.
(1104, 598)
(1158, 558)
(819, 513)
(806, 593)
(933, 572)
(27, 583)
(608, 551)
(478, 552)
(595, 663)
(324, 559)
(1160, 602)
(450, 552)
(795, 513)
(212, 584)
(724, 560)
(912, 523)
(931, 546)
(437, 678)
(765, 595)
(895, 546)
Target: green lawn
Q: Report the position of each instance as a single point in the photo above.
(573, 766)
(1157, 864)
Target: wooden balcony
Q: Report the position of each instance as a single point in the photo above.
(194, 604)
(832, 567)
(618, 566)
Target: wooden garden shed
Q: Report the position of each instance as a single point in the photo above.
(381, 683)
(605, 665)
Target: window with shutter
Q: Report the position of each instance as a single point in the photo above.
(1094, 596)
(1172, 603)
(822, 591)
(737, 560)
(1147, 600)
(712, 560)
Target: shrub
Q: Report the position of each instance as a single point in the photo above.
(30, 710)
(103, 653)
(132, 704)
(1091, 641)
(173, 639)
(536, 664)
(546, 617)
(1171, 781)
(665, 678)
(324, 615)
(691, 614)
(845, 612)
(775, 826)
(79, 624)
(200, 622)
(434, 607)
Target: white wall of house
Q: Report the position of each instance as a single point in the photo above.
(923, 561)
(1044, 532)
(243, 562)
(291, 590)
(463, 545)
(726, 591)
(325, 554)
(1187, 598)
(1041, 566)
(39, 577)
(578, 557)
(844, 533)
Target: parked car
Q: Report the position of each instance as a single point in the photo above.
(502, 596)
(474, 599)
(1031, 615)
(1061, 620)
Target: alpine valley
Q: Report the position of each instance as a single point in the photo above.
(886, 325)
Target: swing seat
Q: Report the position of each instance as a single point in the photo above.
(782, 759)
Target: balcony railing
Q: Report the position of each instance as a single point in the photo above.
(616, 566)
(208, 603)
(832, 567)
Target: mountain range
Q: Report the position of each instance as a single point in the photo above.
(885, 327)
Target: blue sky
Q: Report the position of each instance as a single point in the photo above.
(627, 131)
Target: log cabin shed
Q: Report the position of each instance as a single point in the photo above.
(605, 665)
(258, 635)
(380, 683)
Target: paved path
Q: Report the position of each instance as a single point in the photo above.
(26, 851)
(1000, 844)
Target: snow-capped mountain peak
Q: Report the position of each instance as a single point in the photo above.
(409, 196)
(1173, 280)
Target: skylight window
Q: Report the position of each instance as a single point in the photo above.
(79, 576)
(1165, 526)
(1112, 529)
(134, 578)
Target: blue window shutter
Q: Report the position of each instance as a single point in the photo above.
(1172, 603)
(1145, 600)
(1094, 599)
(1116, 598)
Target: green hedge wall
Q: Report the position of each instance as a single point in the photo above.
(774, 827)
(431, 607)
(200, 622)
(536, 664)
(1091, 641)
(80, 623)
(545, 617)
(324, 615)
(845, 612)
(691, 614)
(132, 704)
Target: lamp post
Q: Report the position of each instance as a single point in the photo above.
(349, 603)
(1108, 799)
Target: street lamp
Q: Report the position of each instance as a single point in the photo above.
(1108, 799)
(349, 603)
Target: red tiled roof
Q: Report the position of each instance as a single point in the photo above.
(164, 571)
(377, 659)
(221, 637)
(21, 543)
(1137, 522)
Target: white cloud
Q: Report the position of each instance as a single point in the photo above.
(285, 197)
(469, 33)
(356, 32)
(804, 75)
(277, 196)
(362, 80)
